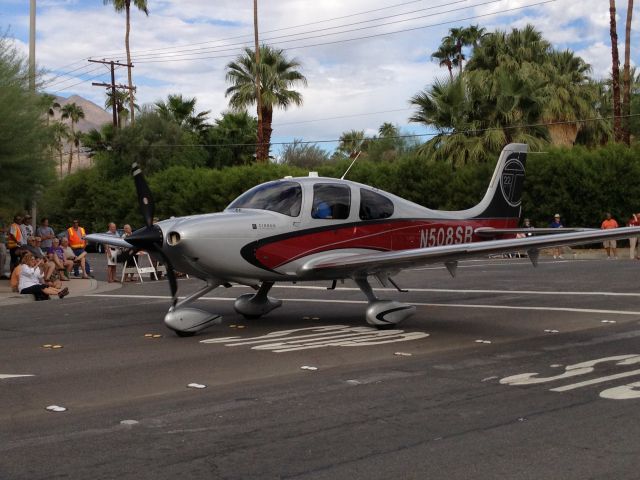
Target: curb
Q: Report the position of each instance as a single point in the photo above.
(95, 286)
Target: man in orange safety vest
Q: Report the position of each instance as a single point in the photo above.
(76, 234)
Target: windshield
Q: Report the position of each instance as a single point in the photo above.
(281, 197)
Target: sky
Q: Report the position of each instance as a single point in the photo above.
(363, 59)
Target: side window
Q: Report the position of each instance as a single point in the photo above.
(374, 206)
(331, 201)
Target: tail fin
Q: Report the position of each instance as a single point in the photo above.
(504, 194)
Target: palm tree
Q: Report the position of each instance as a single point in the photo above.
(278, 75)
(50, 105)
(445, 55)
(122, 112)
(183, 112)
(352, 142)
(74, 113)
(125, 5)
(388, 130)
(626, 87)
(615, 72)
(457, 38)
(60, 132)
(569, 96)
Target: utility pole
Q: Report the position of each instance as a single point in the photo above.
(113, 86)
(32, 46)
(32, 86)
(259, 147)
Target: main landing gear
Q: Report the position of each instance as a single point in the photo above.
(187, 321)
(254, 305)
(383, 314)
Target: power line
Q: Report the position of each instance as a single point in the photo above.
(342, 116)
(364, 12)
(413, 135)
(93, 69)
(213, 49)
(422, 27)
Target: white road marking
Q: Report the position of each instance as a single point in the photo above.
(624, 392)
(462, 291)
(570, 370)
(4, 376)
(196, 385)
(319, 337)
(417, 304)
(595, 381)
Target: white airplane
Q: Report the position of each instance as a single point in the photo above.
(313, 228)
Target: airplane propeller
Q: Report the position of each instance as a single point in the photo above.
(150, 237)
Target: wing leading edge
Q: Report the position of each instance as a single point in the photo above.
(341, 266)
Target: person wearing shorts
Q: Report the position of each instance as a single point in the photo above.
(610, 245)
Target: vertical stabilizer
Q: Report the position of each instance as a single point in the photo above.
(504, 195)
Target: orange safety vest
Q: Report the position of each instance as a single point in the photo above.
(11, 243)
(75, 240)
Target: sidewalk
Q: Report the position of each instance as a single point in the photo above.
(77, 288)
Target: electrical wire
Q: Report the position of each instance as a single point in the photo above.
(270, 39)
(413, 135)
(422, 27)
(342, 116)
(364, 12)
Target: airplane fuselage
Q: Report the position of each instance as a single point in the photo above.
(246, 243)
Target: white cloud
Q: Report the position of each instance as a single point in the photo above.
(346, 79)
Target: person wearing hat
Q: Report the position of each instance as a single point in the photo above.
(556, 223)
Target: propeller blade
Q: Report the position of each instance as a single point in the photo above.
(145, 199)
(171, 275)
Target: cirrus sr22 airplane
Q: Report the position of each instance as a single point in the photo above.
(314, 228)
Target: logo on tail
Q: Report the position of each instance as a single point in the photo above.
(511, 181)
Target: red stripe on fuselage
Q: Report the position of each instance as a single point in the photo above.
(381, 236)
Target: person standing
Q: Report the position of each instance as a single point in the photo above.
(15, 241)
(26, 227)
(76, 234)
(112, 254)
(634, 221)
(46, 234)
(3, 249)
(556, 223)
(610, 245)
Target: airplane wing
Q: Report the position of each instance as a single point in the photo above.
(108, 239)
(334, 265)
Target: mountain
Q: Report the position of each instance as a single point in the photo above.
(94, 115)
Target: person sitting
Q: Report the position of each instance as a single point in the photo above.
(32, 280)
(56, 255)
(15, 278)
(79, 260)
(77, 242)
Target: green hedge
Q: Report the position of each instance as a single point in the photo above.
(580, 184)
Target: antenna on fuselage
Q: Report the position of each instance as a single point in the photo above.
(354, 161)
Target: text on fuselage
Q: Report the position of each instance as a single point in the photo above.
(445, 235)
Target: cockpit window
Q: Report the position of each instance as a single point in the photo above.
(374, 206)
(331, 201)
(281, 197)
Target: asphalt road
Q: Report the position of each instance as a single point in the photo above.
(451, 394)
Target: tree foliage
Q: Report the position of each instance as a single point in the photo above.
(25, 163)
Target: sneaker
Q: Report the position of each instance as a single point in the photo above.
(63, 293)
